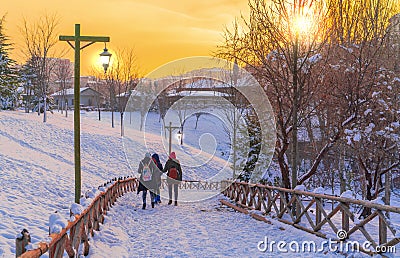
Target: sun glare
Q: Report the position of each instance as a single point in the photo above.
(303, 24)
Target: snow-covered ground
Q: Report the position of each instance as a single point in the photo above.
(196, 229)
(37, 178)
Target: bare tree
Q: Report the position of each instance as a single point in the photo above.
(281, 54)
(122, 78)
(326, 75)
(63, 74)
(40, 38)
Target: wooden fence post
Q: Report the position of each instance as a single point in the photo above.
(345, 218)
(382, 232)
(318, 214)
(21, 242)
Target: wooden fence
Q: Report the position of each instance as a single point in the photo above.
(195, 185)
(84, 224)
(89, 221)
(314, 216)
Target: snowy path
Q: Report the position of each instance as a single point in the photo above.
(37, 176)
(196, 229)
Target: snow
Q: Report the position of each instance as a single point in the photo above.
(56, 223)
(376, 93)
(37, 179)
(300, 188)
(76, 208)
(348, 49)
(68, 92)
(378, 201)
(319, 190)
(357, 137)
(366, 112)
(315, 58)
(348, 120)
(347, 194)
(335, 67)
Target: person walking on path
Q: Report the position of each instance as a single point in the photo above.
(174, 173)
(156, 160)
(148, 171)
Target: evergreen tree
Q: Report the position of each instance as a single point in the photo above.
(28, 80)
(8, 72)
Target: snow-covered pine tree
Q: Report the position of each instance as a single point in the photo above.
(28, 80)
(8, 72)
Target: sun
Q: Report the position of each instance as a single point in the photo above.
(303, 24)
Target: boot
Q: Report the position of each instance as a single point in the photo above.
(176, 203)
(152, 204)
(170, 202)
(144, 206)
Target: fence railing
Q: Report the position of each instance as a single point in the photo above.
(314, 216)
(77, 232)
(195, 185)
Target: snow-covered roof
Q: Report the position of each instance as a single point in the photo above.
(199, 94)
(69, 91)
(133, 93)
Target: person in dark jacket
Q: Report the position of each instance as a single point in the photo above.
(148, 171)
(156, 160)
(172, 167)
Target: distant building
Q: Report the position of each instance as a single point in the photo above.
(88, 97)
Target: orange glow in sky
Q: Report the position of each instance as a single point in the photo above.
(160, 31)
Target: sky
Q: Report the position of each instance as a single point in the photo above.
(159, 31)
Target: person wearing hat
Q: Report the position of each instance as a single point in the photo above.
(148, 171)
(174, 176)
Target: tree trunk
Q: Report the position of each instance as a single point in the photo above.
(122, 123)
(98, 108)
(44, 109)
(112, 117)
(27, 101)
(388, 181)
(368, 179)
(197, 119)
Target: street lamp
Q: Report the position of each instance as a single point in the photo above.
(179, 135)
(170, 128)
(105, 57)
(77, 39)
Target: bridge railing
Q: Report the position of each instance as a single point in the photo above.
(77, 232)
(314, 216)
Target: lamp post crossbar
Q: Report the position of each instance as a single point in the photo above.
(77, 39)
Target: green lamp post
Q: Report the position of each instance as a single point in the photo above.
(77, 39)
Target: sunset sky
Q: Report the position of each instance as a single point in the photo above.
(160, 31)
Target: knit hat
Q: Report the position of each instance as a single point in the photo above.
(172, 155)
(148, 155)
